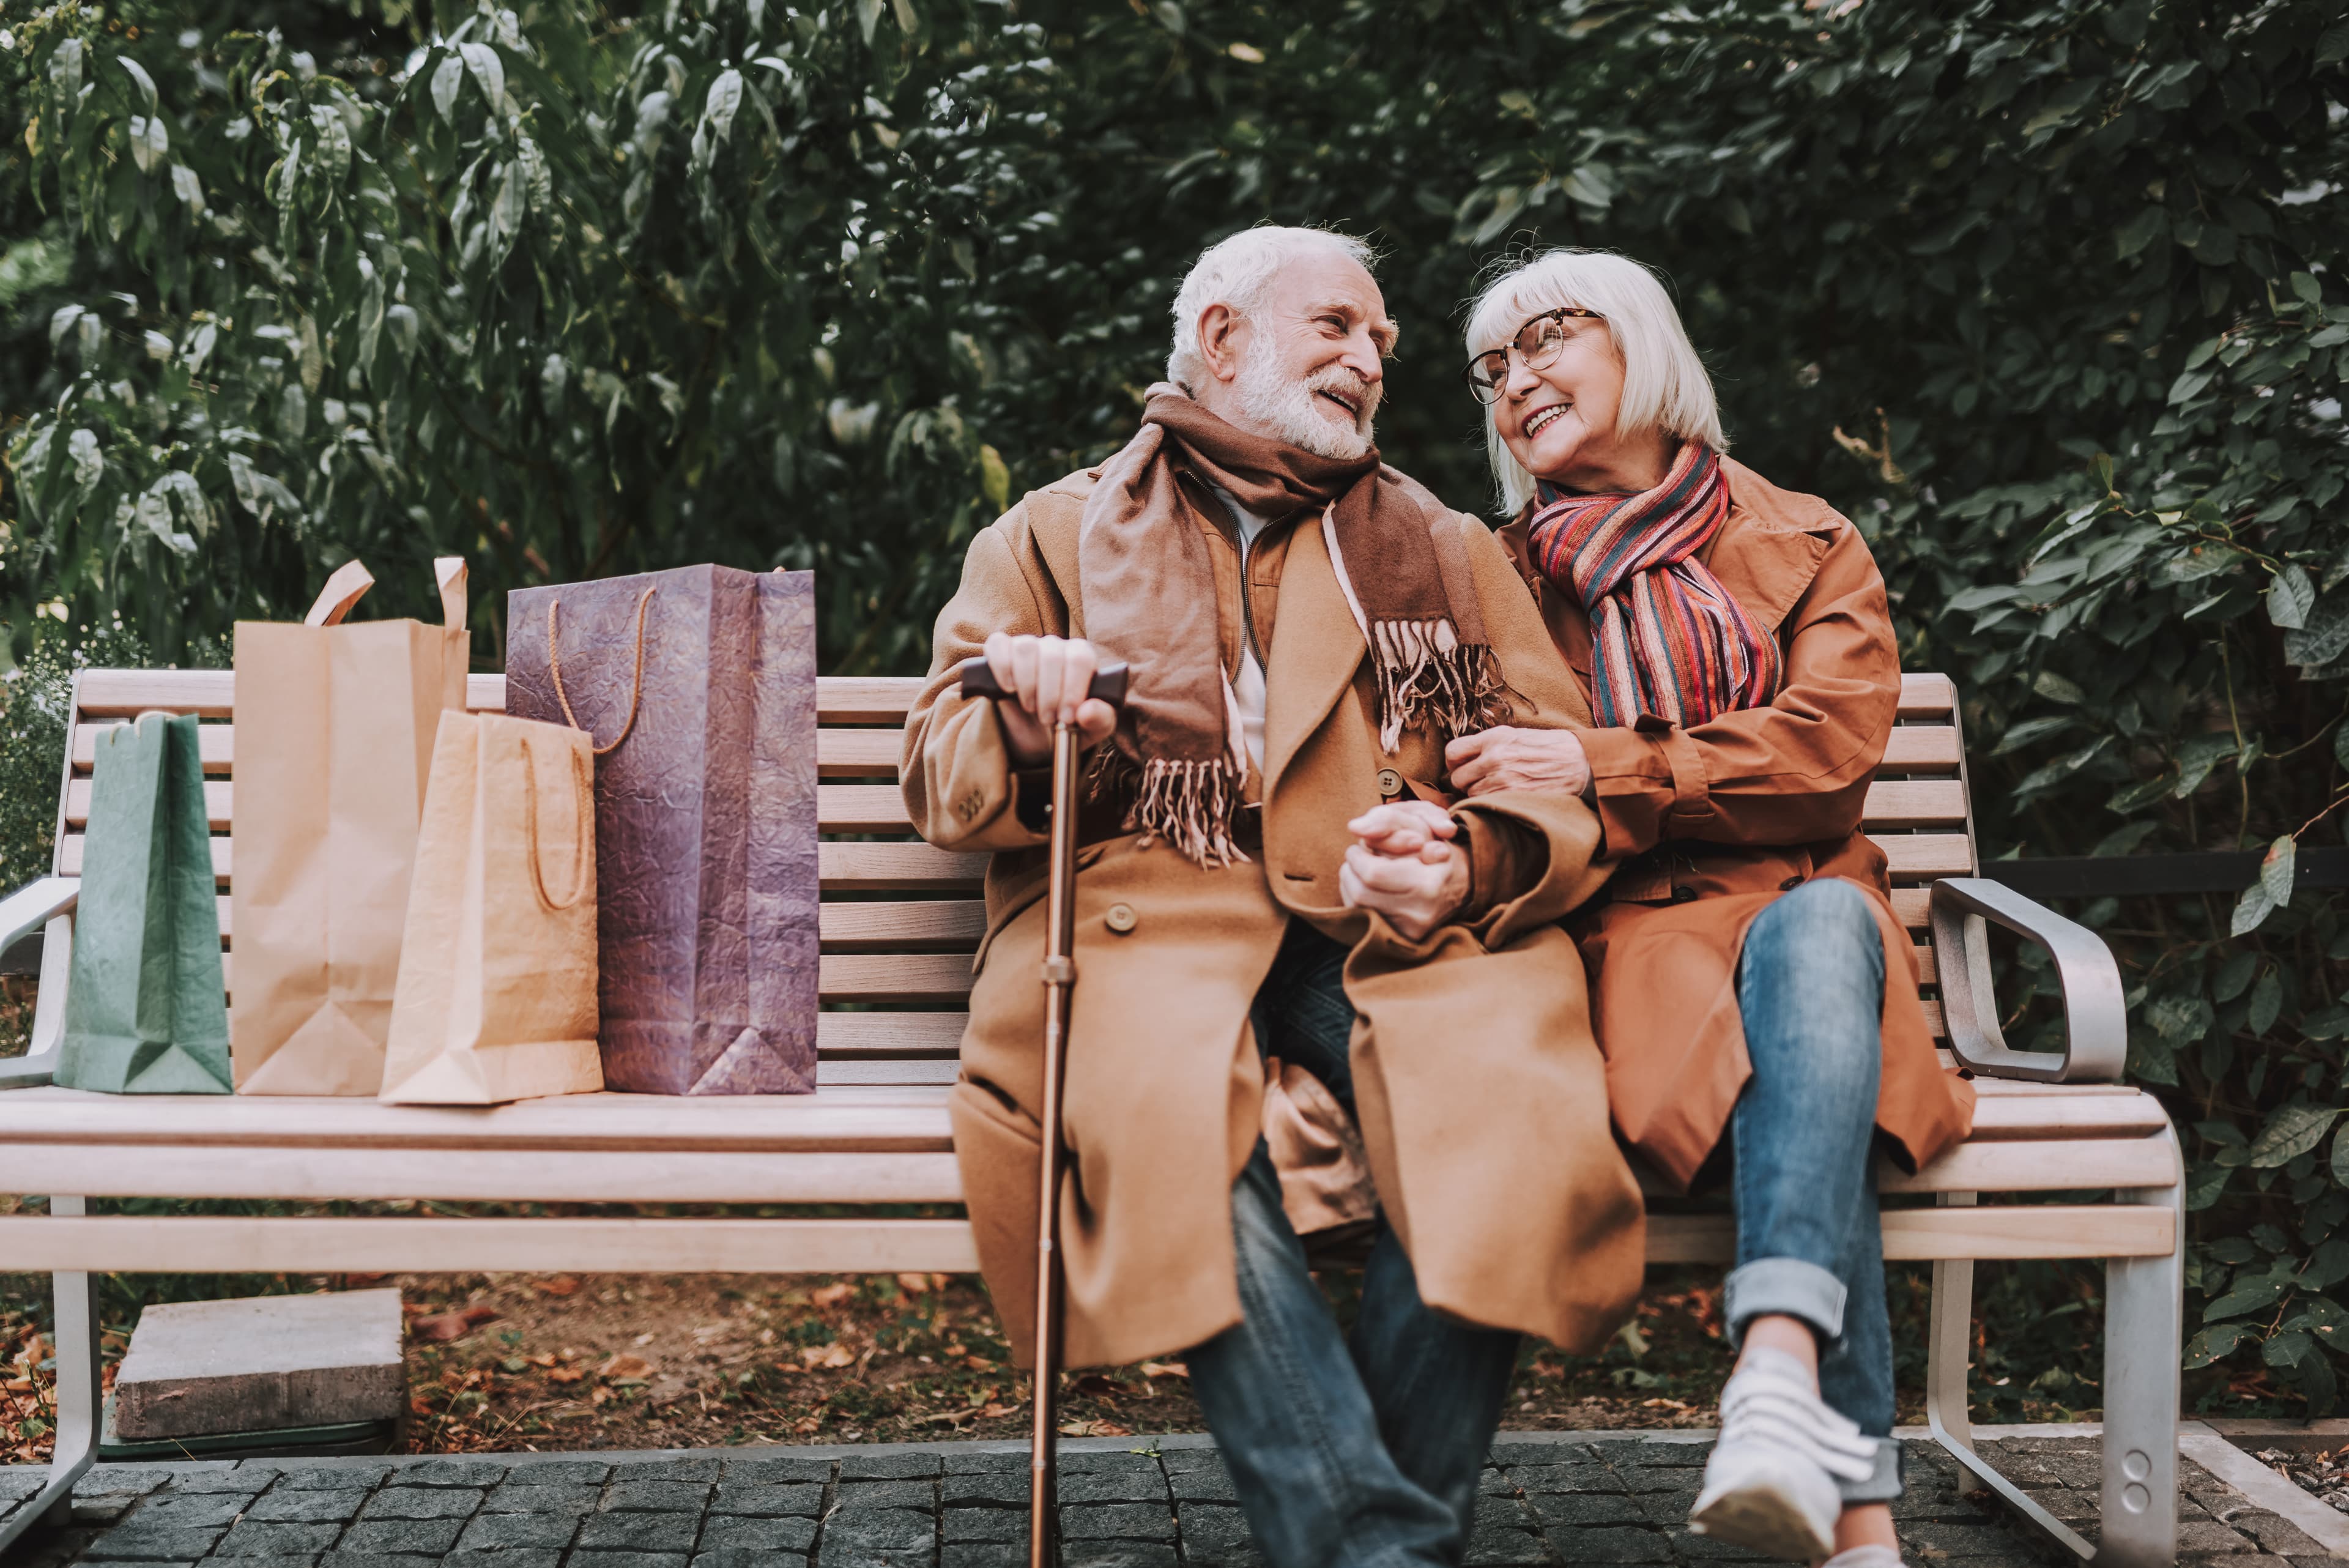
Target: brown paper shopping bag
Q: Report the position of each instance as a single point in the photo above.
(497, 974)
(335, 726)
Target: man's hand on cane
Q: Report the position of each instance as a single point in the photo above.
(1405, 865)
(1048, 676)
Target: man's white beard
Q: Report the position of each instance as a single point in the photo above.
(1290, 409)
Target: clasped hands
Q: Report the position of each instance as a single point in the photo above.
(1406, 861)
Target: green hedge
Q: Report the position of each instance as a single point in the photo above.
(2041, 295)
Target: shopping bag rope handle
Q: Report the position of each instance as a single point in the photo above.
(636, 687)
(583, 808)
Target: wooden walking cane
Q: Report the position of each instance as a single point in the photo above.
(1060, 979)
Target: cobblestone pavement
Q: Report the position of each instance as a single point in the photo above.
(1129, 1503)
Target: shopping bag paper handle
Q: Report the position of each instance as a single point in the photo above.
(583, 807)
(636, 686)
(345, 589)
(448, 571)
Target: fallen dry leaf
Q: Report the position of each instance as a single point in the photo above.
(913, 1285)
(830, 1295)
(567, 1375)
(480, 1314)
(441, 1327)
(832, 1355)
(544, 1358)
(561, 1285)
(979, 1364)
(1164, 1369)
(624, 1365)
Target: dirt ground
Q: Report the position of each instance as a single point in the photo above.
(541, 1362)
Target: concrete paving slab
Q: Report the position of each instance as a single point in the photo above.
(260, 1363)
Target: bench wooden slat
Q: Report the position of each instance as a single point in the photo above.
(834, 1070)
(932, 922)
(524, 1176)
(908, 867)
(211, 1243)
(1924, 1235)
(873, 753)
(2109, 1111)
(1922, 749)
(127, 693)
(2054, 1165)
(875, 1120)
(881, 808)
(1925, 857)
(895, 977)
(840, 1036)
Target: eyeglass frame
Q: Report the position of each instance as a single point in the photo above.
(1477, 389)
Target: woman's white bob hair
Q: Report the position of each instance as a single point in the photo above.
(1664, 382)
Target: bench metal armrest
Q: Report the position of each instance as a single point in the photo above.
(22, 914)
(2094, 1011)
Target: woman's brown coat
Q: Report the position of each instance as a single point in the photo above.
(1713, 823)
(1481, 1092)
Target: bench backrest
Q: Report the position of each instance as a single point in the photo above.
(900, 919)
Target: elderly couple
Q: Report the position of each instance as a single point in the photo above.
(1420, 853)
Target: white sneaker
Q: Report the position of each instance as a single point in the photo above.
(1770, 1485)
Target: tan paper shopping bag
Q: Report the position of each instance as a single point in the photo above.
(335, 726)
(497, 972)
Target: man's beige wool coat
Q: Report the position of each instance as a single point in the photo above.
(1482, 1094)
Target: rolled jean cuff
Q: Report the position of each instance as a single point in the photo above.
(1883, 1485)
(1784, 1285)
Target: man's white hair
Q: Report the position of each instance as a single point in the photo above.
(1238, 273)
(1664, 383)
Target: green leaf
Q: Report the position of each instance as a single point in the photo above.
(2215, 1344)
(993, 478)
(2030, 730)
(2329, 1265)
(2306, 289)
(488, 71)
(2288, 1349)
(138, 73)
(2292, 1132)
(446, 77)
(2248, 1295)
(2290, 598)
(2272, 892)
(2267, 1001)
(2325, 1319)
(2333, 44)
(725, 98)
(2198, 756)
(2056, 688)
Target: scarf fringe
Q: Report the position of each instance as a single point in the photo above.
(1189, 805)
(1426, 673)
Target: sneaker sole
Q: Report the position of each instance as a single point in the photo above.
(1763, 1520)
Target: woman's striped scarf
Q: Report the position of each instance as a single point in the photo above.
(1668, 638)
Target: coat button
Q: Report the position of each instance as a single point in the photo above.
(1121, 919)
(1790, 884)
(1390, 782)
(1683, 894)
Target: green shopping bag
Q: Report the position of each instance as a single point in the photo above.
(146, 1014)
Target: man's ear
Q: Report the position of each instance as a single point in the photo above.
(1222, 340)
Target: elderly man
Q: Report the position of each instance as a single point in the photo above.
(1275, 1028)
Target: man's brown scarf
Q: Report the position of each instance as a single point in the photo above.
(1149, 596)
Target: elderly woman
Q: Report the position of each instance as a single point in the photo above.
(1754, 993)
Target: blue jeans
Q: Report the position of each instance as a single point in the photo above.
(1344, 1453)
(1810, 987)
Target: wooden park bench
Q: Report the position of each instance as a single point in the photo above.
(900, 921)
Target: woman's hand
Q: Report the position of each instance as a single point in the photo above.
(1510, 758)
(1405, 865)
(1049, 676)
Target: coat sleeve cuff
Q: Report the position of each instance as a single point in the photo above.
(976, 792)
(1649, 784)
(1506, 861)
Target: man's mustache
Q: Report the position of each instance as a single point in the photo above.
(1356, 388)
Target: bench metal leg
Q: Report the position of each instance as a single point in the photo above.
(79, 1407)
(2143, 1308)
(2144, 1317)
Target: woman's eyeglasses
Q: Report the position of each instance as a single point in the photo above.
(1537, 346)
